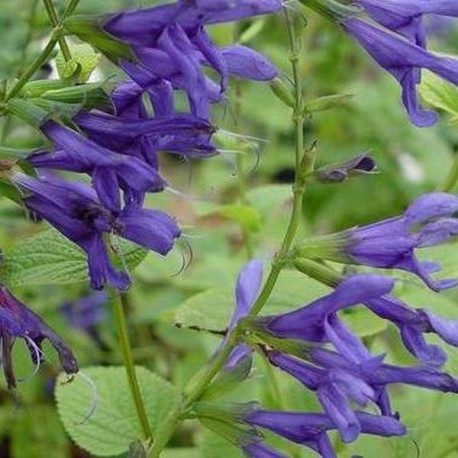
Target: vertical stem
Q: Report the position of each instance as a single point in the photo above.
(204, 377)
(32, 68)
(120, 301)
(52, 13)
(70, 8)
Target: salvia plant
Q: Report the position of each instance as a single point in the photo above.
(197, 132)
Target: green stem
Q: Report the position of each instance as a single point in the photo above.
(52, 13)
(174, 418)
(203, 378)
(70, 8)
(32, 68)
(28, 38)
(47, 51)
(120, 303)
(452, 178)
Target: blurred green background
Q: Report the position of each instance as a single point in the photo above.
(235, 195)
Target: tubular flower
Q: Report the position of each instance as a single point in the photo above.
(110, 171)
(413, 323)
(75, 211)
(405, 16)
(403, 60)
(336, 381)
(309, 321)
(247, 290)
(334, 388)
(170, 42)
(310, 429)
(144, 137)
(17, 321)
(392, 243)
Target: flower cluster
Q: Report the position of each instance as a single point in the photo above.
(399, 46)
(17, 321)
(119, 152)
(315, 346)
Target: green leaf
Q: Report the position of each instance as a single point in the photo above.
(363, 322)
(266, 199)
(248, 217)
(211, 309)
(439, 93)
(114, 425)
(181, 453)
(83, 62)
(35, 439)
(213, 445)
(50, 258)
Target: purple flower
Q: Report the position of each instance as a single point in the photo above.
(86, 312)
(17, 321)
(247, 290)
(317, 322)
(145, 26)
(413, 323)
(338, 380)
(362, 164)
(403, 61)
(170, 43)
(310, 429)
(75, 211)
(378, 374)
(260, 450)
(334, 387)
(392, 243)
(405, 16)
(109, 170)
(143, 138)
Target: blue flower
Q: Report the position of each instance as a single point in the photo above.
(413, 323)
(392, 243)
(260, 450)
(17, 321)
(86, 312)
(338, 380)
(310, 429)
(170, 43)
(143, 137)
(317, 321)
(247, 290)
(405, 16)
(110, 171)
(75, 211)
(403, 60)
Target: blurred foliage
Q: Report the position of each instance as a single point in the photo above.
(192, 287)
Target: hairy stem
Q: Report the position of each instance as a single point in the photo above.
(56, 37)
(70, 8)
(53, 17)
(198, 384)
(32, 68)
(120, 303)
